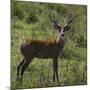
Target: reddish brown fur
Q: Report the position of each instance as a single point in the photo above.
(41, 49)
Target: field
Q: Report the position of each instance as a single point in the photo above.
(30, 20)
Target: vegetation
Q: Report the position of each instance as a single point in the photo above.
(30, 20)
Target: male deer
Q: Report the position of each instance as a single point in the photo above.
(44, 49)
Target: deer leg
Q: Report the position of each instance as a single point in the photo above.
(25, 65)
(55, 69)
(53, 74)
(18, 68)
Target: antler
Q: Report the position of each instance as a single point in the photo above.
(69, 22)
(56, 25)
(67, 25)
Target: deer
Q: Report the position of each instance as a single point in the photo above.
(42, 49)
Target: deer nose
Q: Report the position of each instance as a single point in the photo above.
(62, 35)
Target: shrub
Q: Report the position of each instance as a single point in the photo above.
(73, 52)
(31, 18)
(17, 10)
(82, 41)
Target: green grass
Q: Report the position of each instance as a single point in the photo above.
(72, 64)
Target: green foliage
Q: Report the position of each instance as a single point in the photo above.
(72, 51)
(30, 20)
(82, 40)
(17, 10)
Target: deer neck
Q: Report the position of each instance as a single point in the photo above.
(61, 41)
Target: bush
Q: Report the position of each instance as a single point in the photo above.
(32, 18)
(17, 11)
(73, 52)
(82, 41)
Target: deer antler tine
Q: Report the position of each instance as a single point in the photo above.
(70, 20)
(67, 25)
(55, 24)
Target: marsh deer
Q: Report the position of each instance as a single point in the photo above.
(44, 49)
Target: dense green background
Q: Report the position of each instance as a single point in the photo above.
(30, 20)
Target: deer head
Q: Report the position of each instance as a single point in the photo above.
(63, 29)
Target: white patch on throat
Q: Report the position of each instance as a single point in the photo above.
(60, 37)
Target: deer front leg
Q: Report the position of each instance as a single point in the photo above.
(57, 72)
(53, 74)
(55, 69)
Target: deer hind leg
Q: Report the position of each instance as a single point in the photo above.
(18, 68)
(55, 69)
(25, 65)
